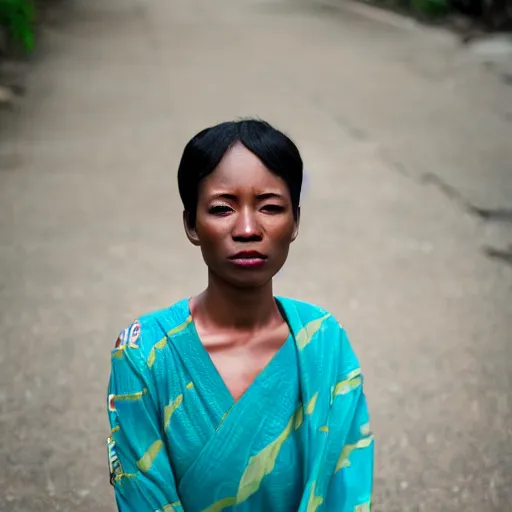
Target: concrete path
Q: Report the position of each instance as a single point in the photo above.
(407, 217)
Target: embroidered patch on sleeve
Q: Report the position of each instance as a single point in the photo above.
(134, 334)
(129, 337)
(114, 464)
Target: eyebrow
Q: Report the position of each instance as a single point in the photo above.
(261, 197)
(270, 195)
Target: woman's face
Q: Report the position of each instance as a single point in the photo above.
(244, 220)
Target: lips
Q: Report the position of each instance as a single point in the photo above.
(248, 255)
(249, 259)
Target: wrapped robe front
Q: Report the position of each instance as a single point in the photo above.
(297, 440)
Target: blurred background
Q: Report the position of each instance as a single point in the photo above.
(404, 119)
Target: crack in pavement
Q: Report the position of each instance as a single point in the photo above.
(486, 214)
(504, 255)
(495, 215)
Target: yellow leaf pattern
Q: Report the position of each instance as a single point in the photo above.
(305, 335)
(131, 397)
(146, 461)
(314, 501)
(169, 410)
(221, 504)
(351, 382)
(343, 461)
(263, 462)
(311, 406)
(363, 507)
(163, 342)
(365, 429)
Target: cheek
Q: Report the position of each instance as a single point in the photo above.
(212, 235)
(283, 234)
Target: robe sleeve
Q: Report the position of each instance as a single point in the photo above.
(351, 484)
(140, 469)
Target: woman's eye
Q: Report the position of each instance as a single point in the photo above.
(219, 209)
(273, 208)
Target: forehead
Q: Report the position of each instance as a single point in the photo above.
(242, 171)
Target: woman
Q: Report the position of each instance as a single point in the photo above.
(235, 399)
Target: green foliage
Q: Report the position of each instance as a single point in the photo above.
(426, 9)
(430, 8)
(18, 17)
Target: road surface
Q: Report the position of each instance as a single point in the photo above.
(407, 140)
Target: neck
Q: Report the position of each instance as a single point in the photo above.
(243, 308)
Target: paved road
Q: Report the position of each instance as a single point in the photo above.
(406, 221)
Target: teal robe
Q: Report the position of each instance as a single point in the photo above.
(297, 440)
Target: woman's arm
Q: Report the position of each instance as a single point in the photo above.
(351, 484)
(140, 469)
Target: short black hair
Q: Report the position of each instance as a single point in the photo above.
(204, 151)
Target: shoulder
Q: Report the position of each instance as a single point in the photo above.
(141, 336)
(309, 320)
(306, 312)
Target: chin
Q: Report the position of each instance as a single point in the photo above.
(247, 282)
(243, 279)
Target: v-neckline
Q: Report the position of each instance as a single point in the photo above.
(216, 376)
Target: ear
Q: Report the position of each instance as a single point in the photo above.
(295, 233)
(190, 229)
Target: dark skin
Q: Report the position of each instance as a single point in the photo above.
(242, 206)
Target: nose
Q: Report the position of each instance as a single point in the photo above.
(246, 227)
